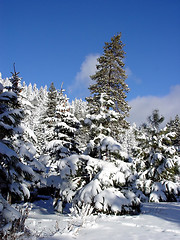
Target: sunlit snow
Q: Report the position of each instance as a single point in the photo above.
(157, 221)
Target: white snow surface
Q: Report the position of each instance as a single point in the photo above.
(156, 221)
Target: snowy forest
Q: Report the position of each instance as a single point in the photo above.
(85, 155)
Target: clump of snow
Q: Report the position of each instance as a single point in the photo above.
(8, 215)
(27, 150)
(54, 144)
(69, 166)
(8, 212)
(110, 144)
(30, 133)
(110, 198)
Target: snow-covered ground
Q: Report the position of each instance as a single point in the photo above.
(156, 221)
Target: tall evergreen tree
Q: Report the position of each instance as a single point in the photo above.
(110, 77)
(52, 101)
(18, 174)
(13, 173)
(49, 119)
(62, 140)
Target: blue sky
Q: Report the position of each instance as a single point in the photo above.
(59, 41)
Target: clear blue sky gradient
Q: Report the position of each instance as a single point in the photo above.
(49, 39)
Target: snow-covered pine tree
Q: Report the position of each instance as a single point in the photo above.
(61, 141)
(9, 120)
(29, 108)
(38, 116)
(127, 138)
(30, 142)
(15, 80)
(65, 125)
(99, 182)
(49, 118)
(25, 141)
(174, 126)
(79, 109)
(110, 78)
(97, 185)
(99, 121)
(17, 175)
(52, 101)
(157, 165)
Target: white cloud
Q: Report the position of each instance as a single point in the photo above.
(88, 68)
(128, 71)
(82, 79)
(168, 106)
(132, 76)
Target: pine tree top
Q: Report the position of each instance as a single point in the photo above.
(15, 80)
